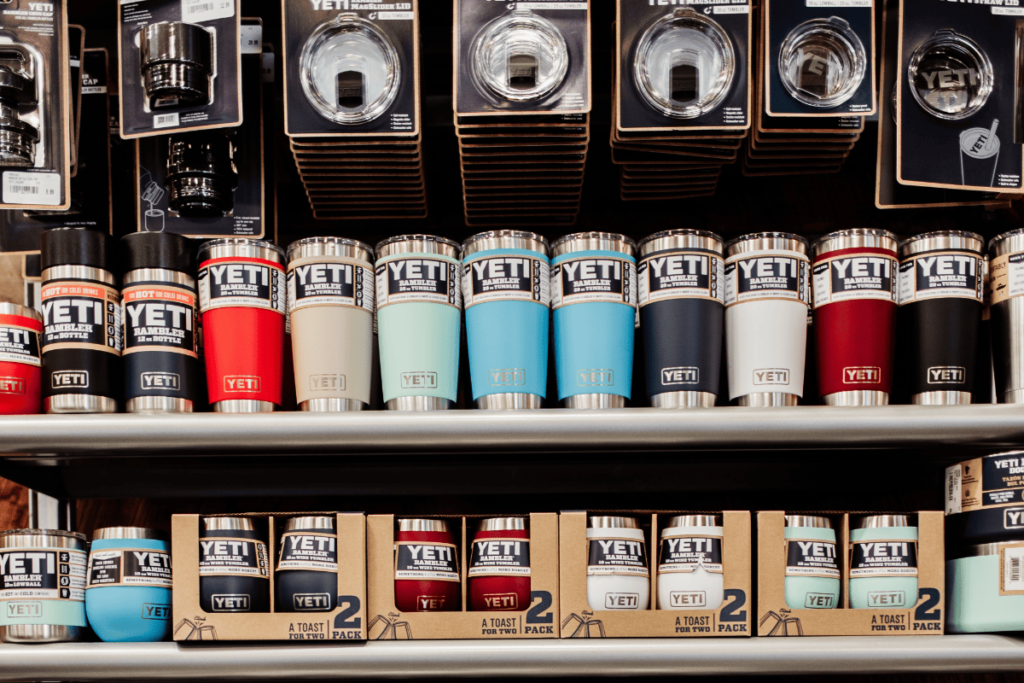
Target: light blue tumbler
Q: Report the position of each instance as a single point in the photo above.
(505, 291)
(128, 594)
(883, 562)
(812, 563)
(594, 299)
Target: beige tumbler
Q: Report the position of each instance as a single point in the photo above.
(331, 302)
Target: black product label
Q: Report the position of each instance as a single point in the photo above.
(622, 556)
(432, 280)
(941, 274)
(989, 482)
(506, 278)
(811, 557)
(19, 345)
(129, 567)
(309, 551)
(683, 554)
(81, 315)
(767, 275)
(883, 558)
(848, 278)
(160, 317)
(426, 561)
(1002, 479)
(500, 557)
(233, 557)
(318, 281)
(681, 275)
(44, 573)
(590, 279)
(249, 283)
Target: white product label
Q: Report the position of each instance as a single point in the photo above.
(395, 16)
(590, 279)
(953, 488)
(839, 3)
(941, 274)
(250, 39)
(1008, 11)
(730, 9)
(30, 187)
(769, 274)
(852, 277)
(42, 573)
(1006, 277)
(681, 275)
(326, 282)
(166, 120)
(195, 11)
(506, 278)
(1013, 569)
(419, 278)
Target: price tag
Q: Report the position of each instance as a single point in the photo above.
(251, 39)
(25, 187)
(194, 11)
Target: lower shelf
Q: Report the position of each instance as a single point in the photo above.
(564, 658)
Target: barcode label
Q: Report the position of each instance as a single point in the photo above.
(206, 10)
(1013, 570)
(166, 120)
(24, 187)
(953, 488)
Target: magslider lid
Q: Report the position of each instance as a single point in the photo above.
(77, 247)
(593, 241)
(413, 244)
(164, 250)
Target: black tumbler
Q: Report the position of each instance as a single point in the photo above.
(234, 566)
(307, 569)
(680, 279)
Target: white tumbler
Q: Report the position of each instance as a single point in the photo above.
(618, 577)
(691, 574)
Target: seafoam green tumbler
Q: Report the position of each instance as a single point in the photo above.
(419, 317)
(812, 563)
(883, 562)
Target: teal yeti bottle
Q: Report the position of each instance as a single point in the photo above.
(419, 316)
(505, 289)
(594, 299)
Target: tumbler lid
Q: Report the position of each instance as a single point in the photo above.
(422, 525)
(881, 521)
(7, 308)
(228, 524)
(42, 532)
(611, 522)
(46, 538)
(694, 520)
(429, 244)
(853, 238)
(330, 246)
(680, 239)
(136, 532)
(165, 250)
(757, 241)
(310, 522)
(502, 524)
(241, 247)
(505, 239)
(593, 241)
(808, 521)
(76, 247)
(959, 240)
(1006, 242)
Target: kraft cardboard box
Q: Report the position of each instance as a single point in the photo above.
(776, 618)
(345, 622)
(387, 622)
(732, 618)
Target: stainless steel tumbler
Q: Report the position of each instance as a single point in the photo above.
(1006, 287)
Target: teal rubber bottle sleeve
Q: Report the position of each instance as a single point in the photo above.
(505, 291)
(883, 562)
(985, 588)
(594, 304)
(128, 596)
(419, 317)
(812, 563)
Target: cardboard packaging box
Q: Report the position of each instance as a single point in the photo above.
(345, 622)
(778, 619)
(732, 618)
(538, 620)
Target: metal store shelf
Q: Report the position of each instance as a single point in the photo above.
(436, 659)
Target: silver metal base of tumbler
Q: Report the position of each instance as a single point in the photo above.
(419, 403)
(40, 633)
(1015, 396)
(158, 404)
(79, 403)
(942, 398)
(331, 405)
(509, 401)
(243, 405)
(860, 397)
(594, 401)
(768, 399)
(683, 399)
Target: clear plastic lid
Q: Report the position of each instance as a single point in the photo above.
(684, 64)
(350, 70)
(950, 76)
(519, 57)
(822, 62)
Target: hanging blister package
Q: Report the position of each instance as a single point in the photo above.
(819, 58)
(957, 100)
(683, 67)
(180, 66)
(35, 136)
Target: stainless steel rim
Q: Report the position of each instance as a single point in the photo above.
(310, 522)
(855, 238)
(593, 241)
(942, 398)
(510, 401)
(594, 402)
(331, 246)
(128, 532)
(611, 522)
(881, 522)
(681, 239)
(505, 239)
(764, 241)
(1010, 242)
(158, 404)
(683, 399)
(859, 397)
(502, 524)
(422, 525)
(768, 399)
(808, 521)
(158, 275)
(984, 549)
(419, 403)
(40, 633)
(77, 272)
(692, 520)
(228, 524)
(417, 244)
(331, 405)
(24, 311)
(41, 538)
(243, 405)
(63, 404)
(952, 240)
(1013, 396)
(241, 247)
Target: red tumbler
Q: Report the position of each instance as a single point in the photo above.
(499, 566)
(242, 298)
(855, 286)
(426, 567)
(20, 372)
